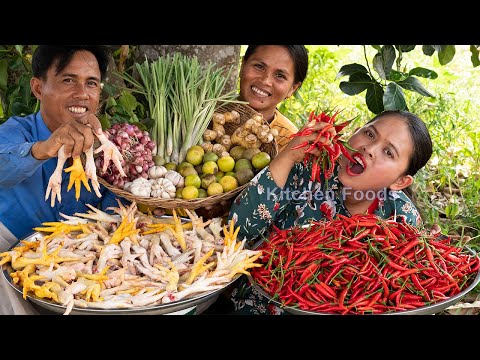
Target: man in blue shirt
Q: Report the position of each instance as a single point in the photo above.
(67, 82)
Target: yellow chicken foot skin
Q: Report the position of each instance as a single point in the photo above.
(77, 176)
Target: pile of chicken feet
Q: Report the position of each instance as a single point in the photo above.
(127, 260)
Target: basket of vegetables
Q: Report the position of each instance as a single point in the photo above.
(235, 145)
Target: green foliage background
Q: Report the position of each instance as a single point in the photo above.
(447, 190)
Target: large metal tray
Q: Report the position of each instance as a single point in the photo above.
(425, 310)
(160, 309)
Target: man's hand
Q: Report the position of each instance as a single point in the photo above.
(77, 136)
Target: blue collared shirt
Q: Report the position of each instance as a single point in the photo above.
(24, 179)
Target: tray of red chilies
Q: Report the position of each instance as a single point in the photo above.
(363, 265)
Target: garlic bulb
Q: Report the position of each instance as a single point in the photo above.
(175, 178)
(156, 172)
(127, 186)
(163, 188)
(140, 187)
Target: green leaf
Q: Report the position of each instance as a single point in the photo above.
(105, 121)
(351, 69)
(110, 90)
(438, 48)
(25, 90)
(374, 98)
(110, 103)
(357, 83)
(376, 47)
(119, 110)
(474, 57)
(446, 54)
(133, 118)
(297, 96)
(128, 101)
(428, 50)
(414, 84)
(3, 74)
(452, 210)
(383, 61)
(19, 48)
(405, 48)
(397, 76)
(140, 110)
(423, 72)
(394, 98)
(19, 108)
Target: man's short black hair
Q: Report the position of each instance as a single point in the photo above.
(46, 55)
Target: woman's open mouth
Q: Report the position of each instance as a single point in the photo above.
(356, 168)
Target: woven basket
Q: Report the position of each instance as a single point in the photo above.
(246, 112)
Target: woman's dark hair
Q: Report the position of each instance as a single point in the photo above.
(299, 54)
(46, 55)
(422, 143)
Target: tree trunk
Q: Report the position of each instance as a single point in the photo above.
(222, 55)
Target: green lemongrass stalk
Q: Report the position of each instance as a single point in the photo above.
(196, 93)
(176, 137)
(155, 86)
(217, 84)
(161, 73)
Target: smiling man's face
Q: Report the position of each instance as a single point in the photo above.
(72, 93)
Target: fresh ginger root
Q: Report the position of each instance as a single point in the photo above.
(253, 133)
(225, 141)
(232, 117)
(207, 146)
(218, 149)
(218, 130)
(209, 135)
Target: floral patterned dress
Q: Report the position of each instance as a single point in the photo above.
(263, 204)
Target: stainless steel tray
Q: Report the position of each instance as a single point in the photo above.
(160, 309)
(425, 310)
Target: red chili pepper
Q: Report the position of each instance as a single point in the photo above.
(341, 126)
(346, 153)
(404, 275)
(326, 290)
(289, 258)
(309, 271)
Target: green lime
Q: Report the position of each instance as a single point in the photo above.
(228, 183)
(193, 180)
(171, 166)
(226, 163)
(202, 193)
(243, 164)
(214, 189)
(189, 192)
(210, 156)
(210, 167)
(195, 155)
(260, 160)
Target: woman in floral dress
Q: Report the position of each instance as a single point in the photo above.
(390, 149)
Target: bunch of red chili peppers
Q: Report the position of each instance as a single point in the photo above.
(332, 150)
(361, 265)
